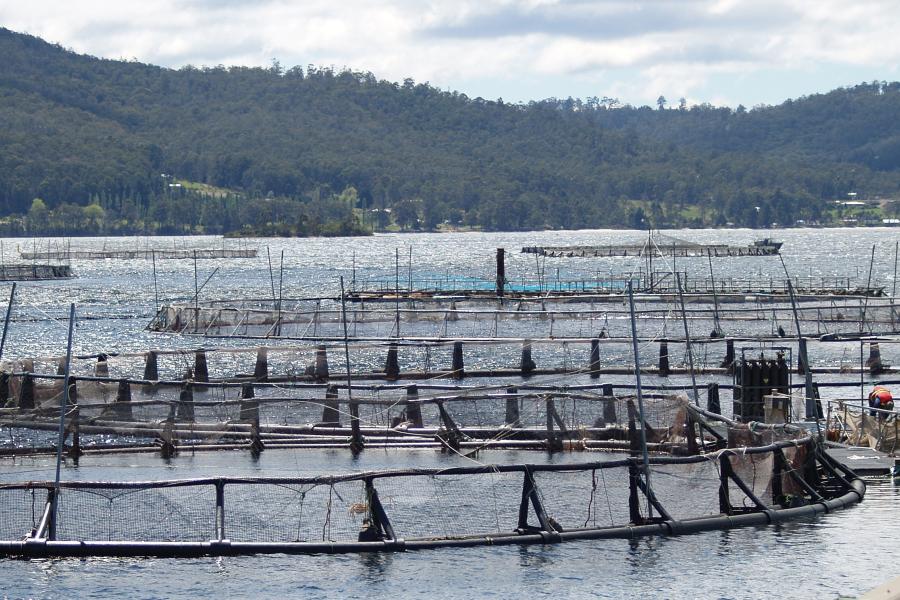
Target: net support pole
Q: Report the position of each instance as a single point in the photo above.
(396, 292)
(865, 307)
(894, 287)
(356, 442)
(220, 511)
(196, 296)
(640, 395)
(687, 341)
(811, 408)
(12, 295)
(64, 401)
(501, 272)
(712, 281)
(155, 285)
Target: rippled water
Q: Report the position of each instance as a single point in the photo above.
(842, 553)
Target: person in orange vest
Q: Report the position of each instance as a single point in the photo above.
(880, 397)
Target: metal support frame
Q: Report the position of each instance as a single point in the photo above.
(530, 495)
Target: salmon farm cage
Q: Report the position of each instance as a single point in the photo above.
(415, 509)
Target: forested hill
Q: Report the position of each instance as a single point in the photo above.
(318, 151)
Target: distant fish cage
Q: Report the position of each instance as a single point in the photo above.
(22, 272)
(443, 317)
(656, 282)
(677, 250)
(754, 484)
(291, 397)
(185, 253)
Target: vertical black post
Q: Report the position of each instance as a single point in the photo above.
(501, 272)
(595, 359)
(249, 407)
(413, 407)
(724, 471)
(392, 364)
(664, 358)
(321, 368)
(526, 365)
(123, 402)
(874, 363)
(728, 361)
(4, 387)
(712, 398)
(691, 434)
(26, 393)
(201, 371)
(457, 369)
(512, 407)
(554, 443)
(330, 410)
(261, 370)
(151, 366)
(609, 404)
(185, 410)
(777, 476)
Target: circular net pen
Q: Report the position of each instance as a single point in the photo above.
(780, 475)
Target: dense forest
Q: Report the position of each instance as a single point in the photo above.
(91, 146)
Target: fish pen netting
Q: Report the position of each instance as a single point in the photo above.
(176, 514)
(21, 511)
(424, 506)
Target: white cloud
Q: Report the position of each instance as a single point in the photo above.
(641, 48)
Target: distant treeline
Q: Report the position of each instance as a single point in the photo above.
(311, 151)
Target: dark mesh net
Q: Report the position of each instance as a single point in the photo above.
(176, 514)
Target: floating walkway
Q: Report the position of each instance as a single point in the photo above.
(186, 253)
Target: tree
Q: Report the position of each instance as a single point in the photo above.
(94, 215)
(406, 213)
(38, 215)
(661, 102)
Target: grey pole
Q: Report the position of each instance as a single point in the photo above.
(687, 340)
(155, 286)
(12, 295)
(640, 396)
(64, 402)
(862, 323)
(354, 410)
(397, 292)
(196, 296)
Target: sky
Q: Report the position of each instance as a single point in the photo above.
(724, 52)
